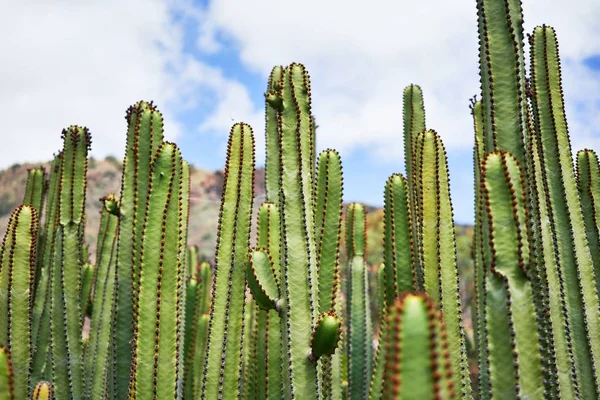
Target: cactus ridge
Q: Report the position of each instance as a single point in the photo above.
(7, 383)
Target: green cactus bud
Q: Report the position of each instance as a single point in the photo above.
(576, 269)
(326, 335)
(144, 135)
(223, 362)
(261, 280)
(6, 375)
(43, 391)
(417, 362)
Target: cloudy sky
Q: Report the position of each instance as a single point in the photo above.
(205, 64)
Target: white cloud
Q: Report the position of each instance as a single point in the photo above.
(70, 62)
(361, 55)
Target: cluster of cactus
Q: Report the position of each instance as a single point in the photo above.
(281, 319)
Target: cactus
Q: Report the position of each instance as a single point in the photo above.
(157, 343)
(588, 181)
(144, 135)
(222, 369)
(17, 270)
(510, 313)
(6, 375)
(417, 364)
(66, 319)
(97, 353)
(360, 331)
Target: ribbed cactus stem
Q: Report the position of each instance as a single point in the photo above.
(414, 123)
(97, 356)
(578, 281)
(438, 247)
(17, 270)
(157, 343)
(502, 72)
(144, 135)
(360, 332)
(6, 375)
(417, 363)
(223, 361)
(42, 301)
(66, 315)
(200, 327)
(398, 250)
(35, 188)
(588, 181)
(509, 291)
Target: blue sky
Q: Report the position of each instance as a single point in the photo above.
(205, 64)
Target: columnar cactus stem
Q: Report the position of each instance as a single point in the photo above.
(66, 316)
(223, 359)
(398, 252)
(438, 247)
(360, 332)
(35, 189)
(567, 224)
(418, 364)
(414, 123)
(87, 278)
(202, 317)
(6, 375)
(588, 180)
(144, 135)
(17, 271)
(509, 291)
(157, 342)
(42, 301)
(97, 356)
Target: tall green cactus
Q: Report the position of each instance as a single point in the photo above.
(157, 348)
(223, 363)
(438, 247)
(97, 368)
(360, 330)
(144, 136)
(310, 206)
(17, 271)
(66, 316)
(511, 324)
(578, 283)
